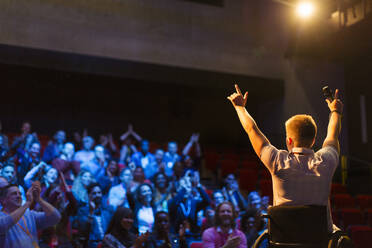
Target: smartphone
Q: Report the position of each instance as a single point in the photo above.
(327, 92)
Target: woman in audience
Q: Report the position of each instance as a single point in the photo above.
(162, 191)
(161, 236)
(61, 197)
(254, 201)
(250, 224)
(80, 185)
(27, 160)
(65, 163)
(120, 232)
(139, 177)
(144, 208)
(44, 173)
(109, 177)
(218, 198)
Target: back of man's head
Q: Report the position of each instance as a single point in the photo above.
(302, 130)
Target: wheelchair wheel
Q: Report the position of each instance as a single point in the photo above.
(340, 240)
(261, 238)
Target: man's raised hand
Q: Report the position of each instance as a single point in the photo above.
(237, 98)
(336, 105)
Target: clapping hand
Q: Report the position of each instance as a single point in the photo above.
(141, 240)
(194, 138)
(29, 196)
(36, 190)
(232, 242)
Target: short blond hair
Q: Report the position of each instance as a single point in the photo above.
(302, 129)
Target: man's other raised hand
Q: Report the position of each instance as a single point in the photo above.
(237, 99)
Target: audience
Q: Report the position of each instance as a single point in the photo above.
(156, 196)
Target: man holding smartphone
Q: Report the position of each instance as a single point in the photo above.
(18, 224)
(300, 176)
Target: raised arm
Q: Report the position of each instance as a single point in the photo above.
(188, 146)
(36, 190)
(134, 134)
(334, 125)
(257, 138)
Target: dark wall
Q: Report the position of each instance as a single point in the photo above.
(358, 83)
(163, 104)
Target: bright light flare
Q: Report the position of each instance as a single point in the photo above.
(305, 9)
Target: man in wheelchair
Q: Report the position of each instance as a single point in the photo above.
(301, 177)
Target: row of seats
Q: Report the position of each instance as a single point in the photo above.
(345, 200)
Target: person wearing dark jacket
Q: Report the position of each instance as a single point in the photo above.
(92, 218)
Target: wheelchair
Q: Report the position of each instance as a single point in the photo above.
(300, 226)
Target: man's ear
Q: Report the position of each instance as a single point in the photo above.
(290, 141)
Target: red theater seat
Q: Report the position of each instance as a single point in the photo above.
(196, 245)
(248, 179)
(228, 166)
(338, 188)
(351, 216)
(364, 201)
(361, 236)
(369, 216)
(250, 164)
(211, 159)
(266, 189)
(343, 201)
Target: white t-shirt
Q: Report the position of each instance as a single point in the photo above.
(145, 217)
(301, 177)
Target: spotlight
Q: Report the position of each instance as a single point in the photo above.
(305, 9)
